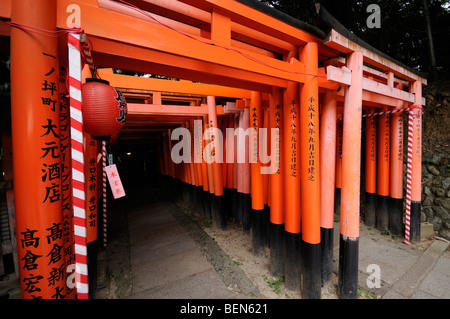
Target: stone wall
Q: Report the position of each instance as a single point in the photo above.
(436, 192)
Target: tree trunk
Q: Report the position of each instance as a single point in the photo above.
(430, 40)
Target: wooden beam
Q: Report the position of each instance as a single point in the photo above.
(182, 86)
(343, 44)
(343, 76)
(177, 110)
(158, 38)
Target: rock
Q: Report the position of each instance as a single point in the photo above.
(439, 192)
(446, 203)
(446, 224)
(446, 183)
(427, 190)
(433, 170)
(423, 217)
(436, 223)
(428, 210)
(445, 233)
(444, 171)
(428, 201)
(448, 194)
(441, 212)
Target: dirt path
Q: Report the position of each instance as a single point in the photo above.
(237, 246)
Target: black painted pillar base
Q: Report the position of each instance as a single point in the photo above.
(348, 267)
(311, 281)
(276, 249)
(193, 195)
(199, 197)
(240, 206)
(292, 260)
(326, 242)
(192, 199)
(246, 205)
(185, 191)
(396, 216)
(235, 205)
(383, 213)
(179, 187)
(217, 211)
(370, 209)
(257, 231)
(92, 267)
(207, 204)
(266, 226)
(415, 221)
(227, 203)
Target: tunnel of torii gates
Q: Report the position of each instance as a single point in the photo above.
(272, 71)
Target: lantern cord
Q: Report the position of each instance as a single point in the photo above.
(56, 34)
(48, 33)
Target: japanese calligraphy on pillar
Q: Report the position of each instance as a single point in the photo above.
(293, 139)
(311, 140)
(43, 261)
(254, 135)
(400, 138)
(386, 137)
(418, 135)
(91, 179)
(340, 131)
(277, 137)
(372, 141)
(51, 169)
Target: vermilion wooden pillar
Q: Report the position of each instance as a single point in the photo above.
(384, 131)
(415, 162)
(218, 214)
(246, 201)
(310, 174)
(371, 169)
(291, 162)
(276, 185)
(396, 172)
(36, 151)
(337, 194)
(351, 156)
(327, 182)
(257, 212)
(91, 206)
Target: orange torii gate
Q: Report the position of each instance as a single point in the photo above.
(251, 48)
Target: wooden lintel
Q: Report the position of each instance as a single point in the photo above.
(339, 42)
(177, 110)
(343, 76)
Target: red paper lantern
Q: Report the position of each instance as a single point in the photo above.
(104, 109)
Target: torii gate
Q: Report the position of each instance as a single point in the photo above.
(240, 44)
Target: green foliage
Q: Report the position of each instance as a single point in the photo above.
(403, 33)
(275, 284)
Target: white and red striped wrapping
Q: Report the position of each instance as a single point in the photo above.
(88, 57)
(105, 228)
(78, 194)
(384, 112)
(409, 178)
